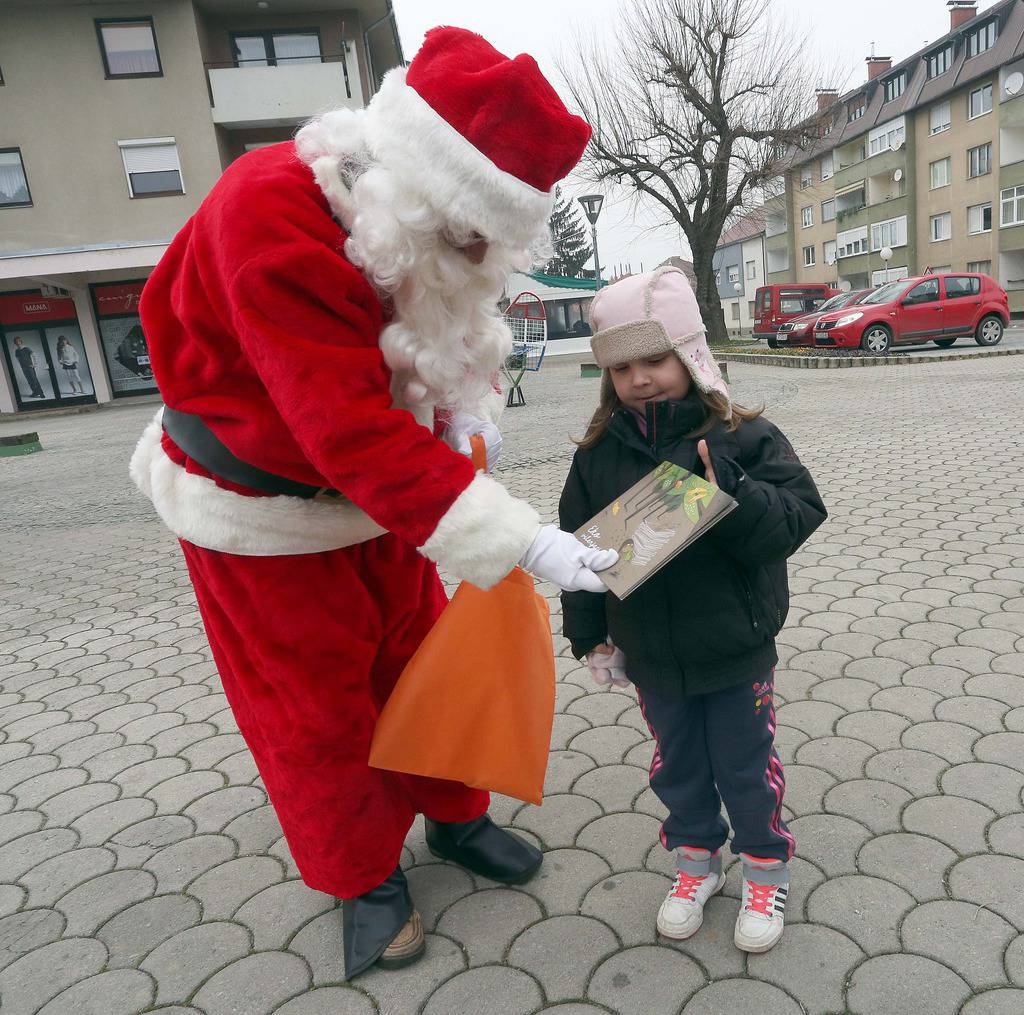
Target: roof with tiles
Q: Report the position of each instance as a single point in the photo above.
(919, 90)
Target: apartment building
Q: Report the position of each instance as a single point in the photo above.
(739, 264)
(116, 119)
(924, 159)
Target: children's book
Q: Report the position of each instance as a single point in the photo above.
(652, 522)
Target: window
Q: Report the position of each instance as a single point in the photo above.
(941, 173)
(979, 102)
(940, 62)
(884, 277)
(982, 39)
(981, 267)
(751, 270)
(809, 261)
(268, 49)
(852, 242)
(894, 87)
(979, 160)
(979, 218)
(805, 179)
(941, 269)
(958, 286)
(828, 210)
(855, 110)
(735, 309)
(13, 182)
(1012, 205)
(829, 251)
(750, 308)
(939, 117)
(807, 216)
(129, 48)
(152, 167)
(733, 271)
(892, 233)
(942, 226)
(827, 167)
(888, 136)
(924, 292)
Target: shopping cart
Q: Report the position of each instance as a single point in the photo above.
(528, 323)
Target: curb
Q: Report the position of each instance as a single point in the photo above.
(829, 362)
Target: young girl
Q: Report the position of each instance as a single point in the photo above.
(697, 639)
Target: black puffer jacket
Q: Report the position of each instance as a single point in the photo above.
(708, 619)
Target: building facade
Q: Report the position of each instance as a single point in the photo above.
(925, 159)
(739, 264)
(117, 119)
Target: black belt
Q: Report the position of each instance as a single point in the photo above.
(202, 445)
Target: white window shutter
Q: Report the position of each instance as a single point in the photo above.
(150, 158)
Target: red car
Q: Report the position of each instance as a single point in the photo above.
(926, 308)
(800, 331)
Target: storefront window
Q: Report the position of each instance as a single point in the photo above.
(124, 345)
(43, 348)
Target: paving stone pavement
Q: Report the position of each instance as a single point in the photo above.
(141, 868)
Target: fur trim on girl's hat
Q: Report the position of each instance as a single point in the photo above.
(484, 137)
(650, 314)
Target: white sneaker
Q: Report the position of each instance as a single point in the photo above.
(761, 920)
(698, 877)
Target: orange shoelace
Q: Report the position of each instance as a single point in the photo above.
(762, 899)
(686, 885)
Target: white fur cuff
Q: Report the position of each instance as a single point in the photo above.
(483, 535)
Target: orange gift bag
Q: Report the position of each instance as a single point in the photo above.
(476, 702)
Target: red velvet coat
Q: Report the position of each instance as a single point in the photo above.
(257, 322)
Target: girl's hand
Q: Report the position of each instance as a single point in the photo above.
(705, 457)
(607, 665)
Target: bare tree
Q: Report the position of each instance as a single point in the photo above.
(691, 111)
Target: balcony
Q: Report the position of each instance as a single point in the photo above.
(868, 214)
(282, 95)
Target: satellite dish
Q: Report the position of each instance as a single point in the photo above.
(898, 175)
(897, 144)
(1014, 83)
(844, 284)
(830, 260)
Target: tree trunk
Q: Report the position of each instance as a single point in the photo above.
(708, 299)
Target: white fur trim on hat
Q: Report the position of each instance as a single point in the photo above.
(199, 511)
(405, 134)
(484, 534)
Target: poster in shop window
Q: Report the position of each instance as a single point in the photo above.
(127, 355)
(29, 367)
(70, 366)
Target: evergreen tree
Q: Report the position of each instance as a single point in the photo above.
(568, 237)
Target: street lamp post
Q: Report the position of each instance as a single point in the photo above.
(592, 208)
(886, 255)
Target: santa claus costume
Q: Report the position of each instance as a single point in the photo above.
(305, 326)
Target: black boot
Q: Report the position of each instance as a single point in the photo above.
(376, 919)
(484, 848)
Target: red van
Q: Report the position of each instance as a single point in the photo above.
(776, 304)
(926, 308)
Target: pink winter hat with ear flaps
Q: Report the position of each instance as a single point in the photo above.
(650, 314)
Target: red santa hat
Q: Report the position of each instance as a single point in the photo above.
(484, 137)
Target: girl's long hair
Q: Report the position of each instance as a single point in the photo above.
(715, 405)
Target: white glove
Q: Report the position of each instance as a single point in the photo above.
(608, 668)
(463, 425)
(559, 557)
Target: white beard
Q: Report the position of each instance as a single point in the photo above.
(446, 341)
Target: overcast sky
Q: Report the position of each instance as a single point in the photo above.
(842, 36)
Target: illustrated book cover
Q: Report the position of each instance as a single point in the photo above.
(652, 522)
